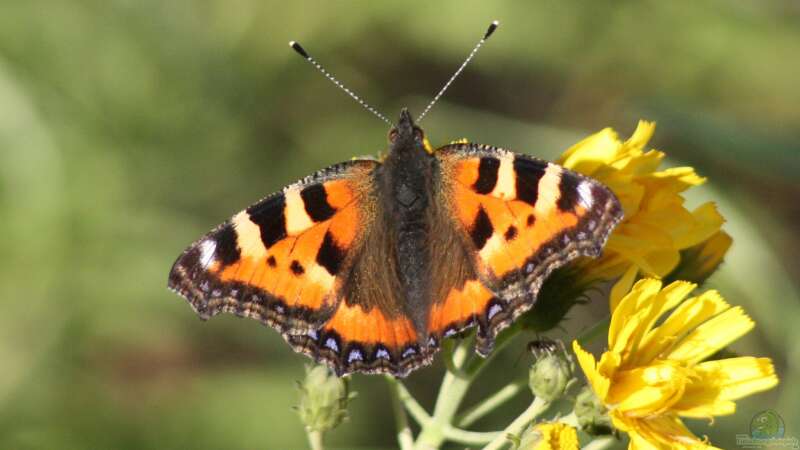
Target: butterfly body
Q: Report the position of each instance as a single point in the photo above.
(406, 185)
(367, 265)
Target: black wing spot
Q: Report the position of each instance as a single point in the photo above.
(330, 256)
(511, 232)
(482, 229)
(297, 268)
(531, 220)
(271, 261)
(568, 192)
(487, 175)
(315, 200)
(270, 216)
(227, 248)
(528, 175)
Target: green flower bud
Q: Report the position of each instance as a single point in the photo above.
(323, 399)
(550, 375)
(592, 415)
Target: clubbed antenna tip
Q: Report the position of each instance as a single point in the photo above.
(299, 49)
(302, 52)
(492, 26)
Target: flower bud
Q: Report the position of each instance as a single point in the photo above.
(548, 436)
(592, 415)
(323, 399)
(550, 375)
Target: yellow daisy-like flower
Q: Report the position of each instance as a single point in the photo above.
(651, 376)
(549, 436)
(657, 225)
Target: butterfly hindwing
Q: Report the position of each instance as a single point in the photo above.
(520, 219)
(371, 330)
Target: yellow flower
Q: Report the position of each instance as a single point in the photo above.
(549, 436)
(652, 375)
(657, 225)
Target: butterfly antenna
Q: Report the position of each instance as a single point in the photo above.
(302, 52)
(493, 26)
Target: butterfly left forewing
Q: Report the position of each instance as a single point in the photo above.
(520, 218)
(280, 260)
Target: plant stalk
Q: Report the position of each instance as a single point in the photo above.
(315, 439)
(404, 437)
(534, 410)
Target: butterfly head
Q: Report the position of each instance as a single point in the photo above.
(406, 135)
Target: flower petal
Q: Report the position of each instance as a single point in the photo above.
(707, 221)
(666, 432)
(718, 383)
(594, 151)
(645, 391)
(627, 317)
(554, 436)
(622, 286)
(683, 320)
(599, 382)
(712, 336)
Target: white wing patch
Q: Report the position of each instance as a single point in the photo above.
(207, 249)
(585, 193)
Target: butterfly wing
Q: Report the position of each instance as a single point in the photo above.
(310, 261)
(280, 261)
(519, 218)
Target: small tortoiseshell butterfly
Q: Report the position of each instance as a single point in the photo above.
(367, 265)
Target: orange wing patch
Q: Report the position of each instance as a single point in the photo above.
(459, 310)
(365, 340)
(507, 231)
(467, 306)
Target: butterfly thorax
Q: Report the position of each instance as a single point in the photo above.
(405, 184)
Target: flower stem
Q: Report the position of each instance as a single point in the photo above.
(315, 439)
(469, 437)
(416, 410)
(454, 387)
(490, 403)
(404, 437)
(537, 407)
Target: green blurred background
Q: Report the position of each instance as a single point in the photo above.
(130, 128)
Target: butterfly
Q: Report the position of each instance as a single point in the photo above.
(367, 265)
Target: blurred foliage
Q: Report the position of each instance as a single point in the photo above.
(129, 128)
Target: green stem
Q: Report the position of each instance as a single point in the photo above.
(454, 387)
(601, 443)
(469, 437)
(412, 406)
(488, 405)
(537, 407)
(315, 439)
(461, 371)
(594, 331)
(404, 437)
